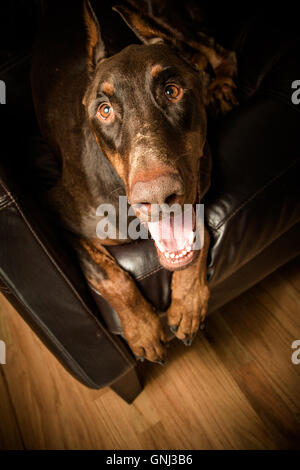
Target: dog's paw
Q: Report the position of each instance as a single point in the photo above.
(186, 315)
(146, 338)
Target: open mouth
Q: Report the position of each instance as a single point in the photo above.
(174, 239)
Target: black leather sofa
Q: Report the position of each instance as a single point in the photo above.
(252, 209)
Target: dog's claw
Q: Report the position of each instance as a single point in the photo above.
(187, 341)
(202, 326)
(162, 362)
(140, 358)
(174, 328)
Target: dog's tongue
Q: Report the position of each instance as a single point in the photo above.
(173, 233)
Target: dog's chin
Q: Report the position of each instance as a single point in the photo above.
(177, 261)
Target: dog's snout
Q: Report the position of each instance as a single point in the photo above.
(165, 189)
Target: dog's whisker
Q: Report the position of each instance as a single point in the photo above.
(115, 190)
(182, 155)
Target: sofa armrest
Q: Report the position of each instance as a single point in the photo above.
(40, 276)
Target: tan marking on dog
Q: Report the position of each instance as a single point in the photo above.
(155, 70)
(120, 164)
(108, 88)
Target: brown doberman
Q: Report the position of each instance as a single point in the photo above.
(130, 119)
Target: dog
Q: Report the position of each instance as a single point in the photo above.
(123, 107)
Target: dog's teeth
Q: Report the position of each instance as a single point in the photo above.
(176, 258)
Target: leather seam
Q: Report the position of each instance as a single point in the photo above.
(7, 204)
(6, 200)
(3, 198)
(253, 196)
(144, 276)
(66, 279)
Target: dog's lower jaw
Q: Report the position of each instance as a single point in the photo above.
(179, 261)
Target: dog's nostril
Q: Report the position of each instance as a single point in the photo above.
(171, 199)
(166, 189)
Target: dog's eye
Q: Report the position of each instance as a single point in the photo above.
(105, 112)
(173, 92)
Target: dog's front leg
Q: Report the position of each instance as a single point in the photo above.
(190, 294)
(143, 329)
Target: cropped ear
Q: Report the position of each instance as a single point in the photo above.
(144, 27)
(95, 45)
(217, 65)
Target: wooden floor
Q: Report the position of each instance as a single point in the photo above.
(235, 388)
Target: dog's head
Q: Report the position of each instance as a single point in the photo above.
(146, 107)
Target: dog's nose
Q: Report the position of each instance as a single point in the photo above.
(165, 189)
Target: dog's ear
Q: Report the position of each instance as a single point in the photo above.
(217, 65)
(143, 26)
(219, 68)
(95, 46)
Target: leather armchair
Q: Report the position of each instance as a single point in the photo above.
(252, 212)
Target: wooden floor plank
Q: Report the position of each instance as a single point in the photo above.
(258, 388)
(263, 336)
(10, 436)
(235, 388)
(279, 420)
(53, 409)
